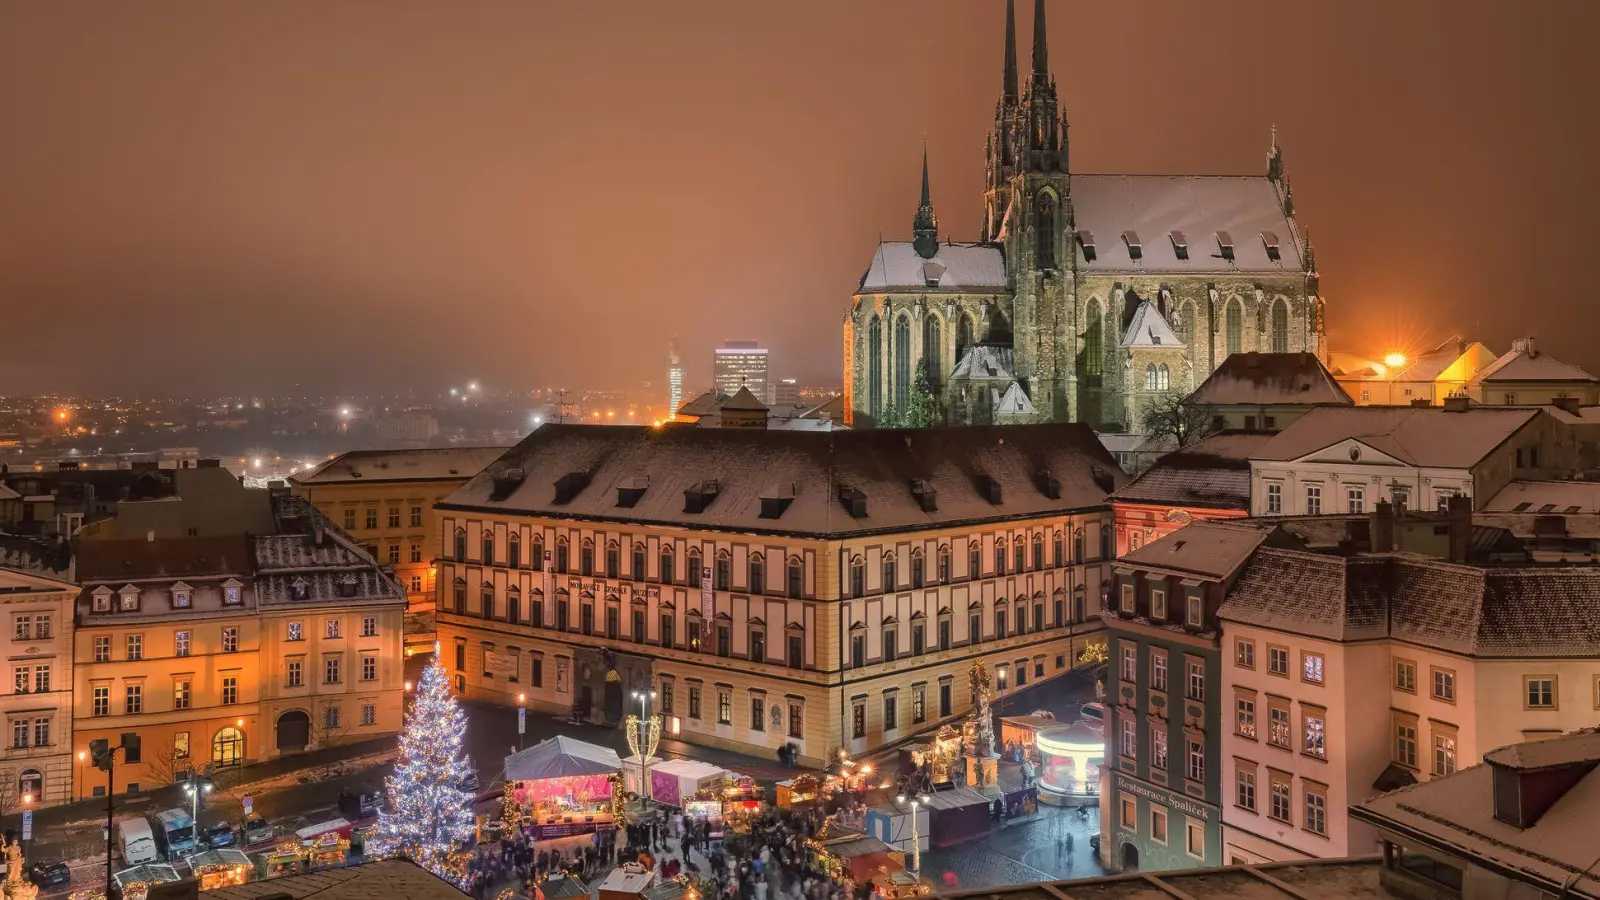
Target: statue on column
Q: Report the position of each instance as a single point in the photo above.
(982, 760)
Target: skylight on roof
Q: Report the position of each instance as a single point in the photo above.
(1135, 246)
(1225, 245)
(1086, 241)
(1180, 245)
(1270, 240)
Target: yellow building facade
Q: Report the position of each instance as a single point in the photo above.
(36, 764)
(385, 499)
(796, 612)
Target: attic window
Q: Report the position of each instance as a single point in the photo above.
(1521, 507)
(854, 502)
(300, 590)
(932, 273)
(1135, 246)
(699, 496)
(990, 489)
(348, 585)
(775, 500)
(570, 485)
(1086, 241)
(1271, 241)
(506, 481)
(631, 491)
(926, 495)
(1225, 245)
(1049, 485)
(1180, 245)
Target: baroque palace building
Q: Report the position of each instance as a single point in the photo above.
(827, 589)
(1087, 296)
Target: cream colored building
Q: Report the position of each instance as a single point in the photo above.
(385, 498)
(832, 590)
(1429, 378)
(1344, 460)
(36, 769)
(1527, 376)
(1352, 676)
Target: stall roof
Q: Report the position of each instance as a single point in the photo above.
(561, 757)
(563, 886)
(623, 881)
(224, 856)
(690, 767)
(149, 874)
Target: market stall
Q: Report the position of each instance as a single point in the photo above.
(892, 824)
(674, 781)
(561, 788)
(284, 859)
(630, 881)
(134, 883)
(797, 791)
(224, 867)
(1021, 731)
(846, 854)
(742, 802)
(560, 886)
(708, 812)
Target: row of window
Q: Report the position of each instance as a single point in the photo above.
(890, 634)
(1355, 499)
(1194, 682)
(1194, 830)
(182, 642)
(30, 733)
(30, 678)
(1279, 731)
(332, 629)
(332, 670)
(133, 696)
(130, 598)
(1160, 611)
(1280, 798)
(370, 519)
(1406, 749)
(1311, 664)
(758, 720)
(1194, 756)
(32, 627)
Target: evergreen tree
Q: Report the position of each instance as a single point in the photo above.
(922, 410)
(428, 815)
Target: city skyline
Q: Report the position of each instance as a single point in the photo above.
(236, 228)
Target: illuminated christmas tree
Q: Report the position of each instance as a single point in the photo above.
(427, 814)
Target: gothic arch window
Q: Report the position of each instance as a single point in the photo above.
(513, 550)
(1163, 378)
(902, 363)
(1280, 327)
(875, 368)
(1150, 377)
(1234, 325)
(1093, 355)
(932, 347)
(1044, 227)
(963, 335)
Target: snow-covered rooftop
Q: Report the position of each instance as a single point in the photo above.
(1270, 379)
(1152, 207)
(1525, 362)
(797, 482)
(955, 267)
(433, 464)
(1211, 549)
(1547, 497)
(1149, 329)
(1418, 436)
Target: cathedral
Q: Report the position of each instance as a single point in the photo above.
(1088, 297)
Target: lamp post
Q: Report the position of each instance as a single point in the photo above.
(1001, 674)
(105, 757)
(916, 838)
(27, 806)
(77, 793)
(522, 719)
(644, 734)
(195, 788)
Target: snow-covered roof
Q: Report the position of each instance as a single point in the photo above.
(1014, 402)
(789, 482)
(1456, 813)
(8, 494)
(1524, 362)
(433, 464)
(1149, 329)
(1418, 436)
(986, 362)
(1149, 208)
(1548, 497)
(744, 400)
(1209, 548)
(955, 267)
(1270, 379)
(703, 405)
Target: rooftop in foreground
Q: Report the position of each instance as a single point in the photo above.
(431, 464)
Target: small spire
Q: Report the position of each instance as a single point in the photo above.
(1041, 50)
(925, 225)
(1275, 157)
(1308, 255)
(1009, 85)
(1288, 197)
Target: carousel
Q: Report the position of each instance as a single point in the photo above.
(561, 788)
(1070, 758)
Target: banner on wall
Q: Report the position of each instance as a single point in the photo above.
(549, 593)
(708, 603)
(500, 665)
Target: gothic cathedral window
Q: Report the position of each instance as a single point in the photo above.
(1092, 353)
(902, 364)
(1044, 227)
(1235, 326)
(875, 369)
(963, 335)
(1280, 328)
(931, 346)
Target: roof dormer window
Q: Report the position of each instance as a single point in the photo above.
(299, 589)
(1180, 245)
(231, 592)
(1225, 245)
(102, 599)
(1135, 246)
(182, 596)
(1086, 241)
(1270, 241)
(128, 599)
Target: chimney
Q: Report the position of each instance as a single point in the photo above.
(1455, 404)
(1459, 510)
(1383, 527)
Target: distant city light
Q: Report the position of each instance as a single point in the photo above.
(1394, 360)
(256, 462)
(472, 386)
(345, 411)
(453, 392)
(538, 419)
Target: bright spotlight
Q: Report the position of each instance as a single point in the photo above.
(1394, 360)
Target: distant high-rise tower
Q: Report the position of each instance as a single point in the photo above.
(740, 364)
(674, 378)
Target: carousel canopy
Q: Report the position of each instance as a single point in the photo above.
(561, 757)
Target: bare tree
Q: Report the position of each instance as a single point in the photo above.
(166, 766)
(1174, 418)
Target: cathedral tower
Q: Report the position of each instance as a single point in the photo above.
(998, 150)
(925, 225)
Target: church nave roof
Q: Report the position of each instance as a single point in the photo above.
(1245, 208)
(955, 267)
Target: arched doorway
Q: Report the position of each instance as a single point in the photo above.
(585, 706)
(227, 748)
(613, 697)
(1130, 858)
(294, 730)
(30, 784)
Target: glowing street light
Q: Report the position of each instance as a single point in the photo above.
(472, 386)
(1394, 360)
(916, 839)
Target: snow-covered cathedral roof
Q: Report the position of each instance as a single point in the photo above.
(1149, 329)
(955, 267)
(985, 362)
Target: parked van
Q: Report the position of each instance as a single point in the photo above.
(174, 832)
(136, 842)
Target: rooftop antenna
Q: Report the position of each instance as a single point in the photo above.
(561, 406)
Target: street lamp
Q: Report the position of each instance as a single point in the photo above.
(1001, 673)
(916, 839)
(105, 757)
(644, 735)
(195, 788)
(82, 755)
(522, 719)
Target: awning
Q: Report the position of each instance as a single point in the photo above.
(561, 757)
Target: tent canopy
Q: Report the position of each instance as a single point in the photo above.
(561, 757)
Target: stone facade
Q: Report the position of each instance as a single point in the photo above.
(1062, 265)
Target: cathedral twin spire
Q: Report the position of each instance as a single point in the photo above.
(925, 225)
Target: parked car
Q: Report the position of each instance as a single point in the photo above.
(1094, 713)
(257, 830)
(218, 835)
(48, 873)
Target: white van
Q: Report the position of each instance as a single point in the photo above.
(136, 843)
